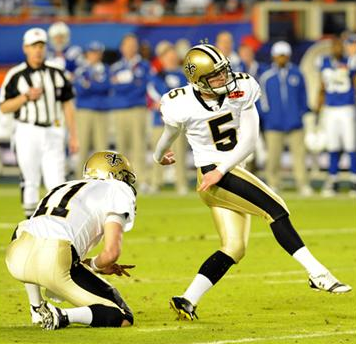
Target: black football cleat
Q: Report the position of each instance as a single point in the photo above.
(184, 309)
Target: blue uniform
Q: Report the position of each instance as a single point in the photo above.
(161, 83)
(128, 82)
(339, 111)
(284, 99)
(69, 59)
(92, 84)
(337, 79)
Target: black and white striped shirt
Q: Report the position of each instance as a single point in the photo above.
(48, 109)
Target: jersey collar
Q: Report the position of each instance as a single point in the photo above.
(204, 104)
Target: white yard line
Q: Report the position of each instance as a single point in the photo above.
(296, 281)
(239, 275)
(7, 225)
(170, 328)
(278, 338)
(265, 234)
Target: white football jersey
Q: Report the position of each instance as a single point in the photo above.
(77, 211)
(212, 131)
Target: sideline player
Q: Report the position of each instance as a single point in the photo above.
(337, 94)
(40, 97)
(218, 114)
(48, 250)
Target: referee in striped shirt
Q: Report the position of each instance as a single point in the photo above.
(40, 96)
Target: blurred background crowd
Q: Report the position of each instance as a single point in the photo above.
(122, 56)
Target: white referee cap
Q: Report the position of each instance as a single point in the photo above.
(34, 35)
(281, 48)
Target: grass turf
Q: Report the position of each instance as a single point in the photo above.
(265, 299)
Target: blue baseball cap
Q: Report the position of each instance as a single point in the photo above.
(95, 46)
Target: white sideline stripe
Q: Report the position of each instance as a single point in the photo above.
(169, 328)
(272, 338)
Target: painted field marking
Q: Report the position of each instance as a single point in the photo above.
(277, 338)
(169, 328)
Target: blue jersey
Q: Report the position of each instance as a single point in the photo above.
(337, 77)
(92, 85)
(161, 83)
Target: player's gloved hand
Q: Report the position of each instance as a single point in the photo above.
(209, 179)
(116, 269)
(168, 159)
(121, 269)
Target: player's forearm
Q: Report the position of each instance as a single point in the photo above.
(249, 128)
(14, 104)
(168, 136)
(107, 258)
(112, 245)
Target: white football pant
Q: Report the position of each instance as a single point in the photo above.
(340, 128)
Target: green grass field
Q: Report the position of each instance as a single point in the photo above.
(265, 299)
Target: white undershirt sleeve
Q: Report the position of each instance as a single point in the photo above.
(117, 218)
(248, 135)
(168, 136)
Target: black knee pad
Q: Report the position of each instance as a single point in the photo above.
(105, 316)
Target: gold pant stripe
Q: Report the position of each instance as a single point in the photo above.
(243, 192)
(48, 262)
(234, 229)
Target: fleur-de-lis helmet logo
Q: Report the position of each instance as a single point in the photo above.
(190, 68)
(113, 159)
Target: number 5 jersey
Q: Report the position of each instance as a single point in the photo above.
(211, 127)
(78, 210)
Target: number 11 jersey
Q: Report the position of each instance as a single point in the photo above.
(78, 210)
(211, 127)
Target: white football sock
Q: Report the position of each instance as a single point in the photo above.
(312, 265)
(197, 288)
(34, 294)
(81, 315)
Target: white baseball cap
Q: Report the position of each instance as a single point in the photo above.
(34, 35)
(281, 48)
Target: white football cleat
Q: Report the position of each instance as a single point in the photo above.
(36, 317)
(52, 317)
(328, 283)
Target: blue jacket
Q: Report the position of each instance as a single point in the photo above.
(284, 99)
(161, 83)
(92, 85)
(128, 83)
